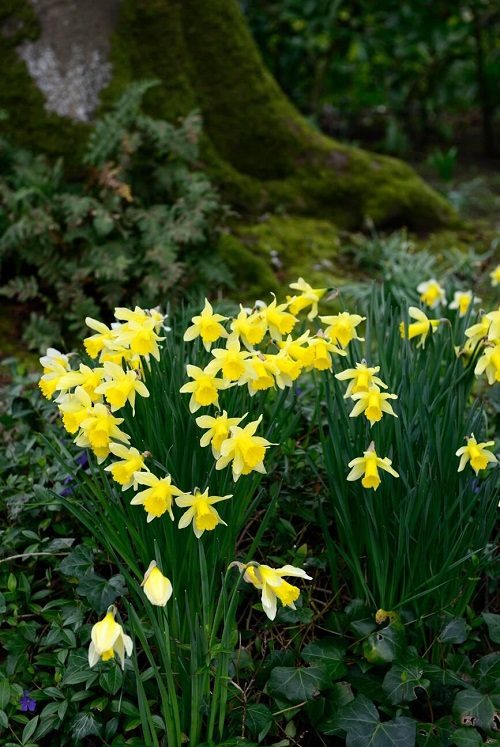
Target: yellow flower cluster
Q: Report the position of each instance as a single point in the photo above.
(278, 362)
(486, 333)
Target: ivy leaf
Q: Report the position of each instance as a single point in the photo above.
(78, 563)
(400, 682)
(78, 670)
(339, 695)
(385, 645)
(454, 631)
(328, 652)
(101, 592)
(83, 725)
(112, 679)
(467, 737)
(361, 720)
(487, 671)
(472, 708)
(436, 734)
(298, 684)
(493, 623)
(258, 720)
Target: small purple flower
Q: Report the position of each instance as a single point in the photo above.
(82, 459)
(26, 703)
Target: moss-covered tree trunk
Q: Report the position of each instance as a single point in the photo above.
(258, 147)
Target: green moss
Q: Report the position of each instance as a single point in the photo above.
(265, 257)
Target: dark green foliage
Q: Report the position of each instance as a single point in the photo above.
(139, 229)
(395, 70)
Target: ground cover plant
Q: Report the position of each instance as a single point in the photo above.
(139, 222)
(219, 457)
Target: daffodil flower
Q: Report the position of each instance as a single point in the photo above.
(478, 332)
(206, 325)
(373, 404)
(495, 276)
(260, 375)
(218, 430)
(250, 328)
(477, 454)
(108, 639)
(271, 583)
(309, 296)
(298, 349)
(204, 388)
(95, 344)
(157, 498)
(74, 409)
(99, 429)
(200, 511)
(121, 386)
(362, 377)
(157, 587)
(53, 360)
(489, 363)
(123, 471)
(419, 328)
(342, 327)
(367, 467)
(231, 361)
(279, 321)
(140, 337)
(88, 378)
(245, 450)
(323, 347)
(432, 293)
(494, 329)
(462, 300)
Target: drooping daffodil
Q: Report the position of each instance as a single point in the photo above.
(157, 587)
(271, 583)
(108, 639)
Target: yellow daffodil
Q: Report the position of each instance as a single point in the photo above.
(322, 348)
(288, 369)
(200, 511)
(462, 300)
(495, 276)
(206, 325)
(157, 498)
(271, 583)
(218, 430)
(123, 471)
(362, 377)
(74, 409)
(298, 349)
(105, 336)
(99, 429)
(260, 375)
(108, 639)
(373, 404)
(309, 296)
(88, 378)
(367, 467)
(140, 337)
(204, 388)
(49, 381)
(157, 587)
(279, 321)
(494, 329)
(419, 328)
(489, 363)
(232, 361)
(432, 293)
(244, 449)
(478, 332)
(477, 454)
(341, 327)
(54, 358)
(121, 386)
(249, 327)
